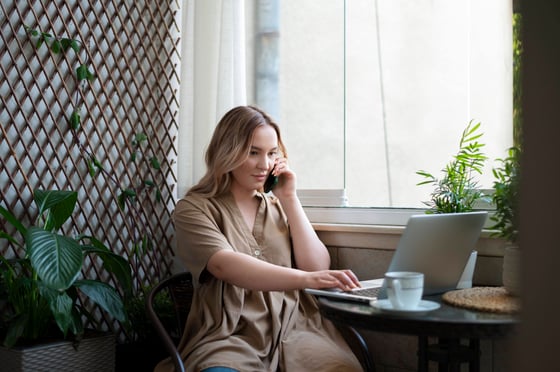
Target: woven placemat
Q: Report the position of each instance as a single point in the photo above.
(490, 299)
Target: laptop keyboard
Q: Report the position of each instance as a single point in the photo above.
(367, 292)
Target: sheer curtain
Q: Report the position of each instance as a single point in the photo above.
(212, 78)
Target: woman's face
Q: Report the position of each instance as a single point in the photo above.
(252, 173)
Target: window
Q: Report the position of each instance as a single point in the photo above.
(367, 92)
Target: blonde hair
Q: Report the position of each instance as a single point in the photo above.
(230, 146)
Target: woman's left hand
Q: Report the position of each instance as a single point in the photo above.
(286, 185)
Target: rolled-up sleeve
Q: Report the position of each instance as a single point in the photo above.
(198, 235)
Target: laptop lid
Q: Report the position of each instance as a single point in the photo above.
(438, 245)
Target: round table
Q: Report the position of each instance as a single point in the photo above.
(448, 323)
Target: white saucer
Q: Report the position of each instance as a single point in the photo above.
(385, 306)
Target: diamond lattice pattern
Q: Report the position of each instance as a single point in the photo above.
(133, 49)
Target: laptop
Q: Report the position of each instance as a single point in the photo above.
(438, 245)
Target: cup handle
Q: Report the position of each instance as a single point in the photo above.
(397, 289)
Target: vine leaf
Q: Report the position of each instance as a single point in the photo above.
(83, 73)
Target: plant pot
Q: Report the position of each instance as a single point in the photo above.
(467, 277)
(511, 276)
(96, 353)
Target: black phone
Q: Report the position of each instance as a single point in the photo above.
(270, 182)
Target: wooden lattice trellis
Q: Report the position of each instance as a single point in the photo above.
(132, 47)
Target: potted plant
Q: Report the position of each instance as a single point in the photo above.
(144, 348)
(458, 191)
(506, 216)
(143, 175)
(41, 291)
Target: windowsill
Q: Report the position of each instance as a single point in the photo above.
(357, 228)
(360, 216)
(372, 229)
(366, 218)
(386, 237)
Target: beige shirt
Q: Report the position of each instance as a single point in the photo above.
(245, 329)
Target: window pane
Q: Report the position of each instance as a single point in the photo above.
(370, 91)
(312, 90)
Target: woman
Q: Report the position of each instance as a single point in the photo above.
(251, 253)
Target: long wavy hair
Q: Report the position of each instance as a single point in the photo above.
(229, 148)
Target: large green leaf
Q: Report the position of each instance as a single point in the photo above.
(61, 307)
(105, 296)
(56, 258)
(15, 330)
(13, 220)
(112, 262)
(58, 203)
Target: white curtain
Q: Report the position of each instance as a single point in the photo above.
(212, 78)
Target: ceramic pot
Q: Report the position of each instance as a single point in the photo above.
(511, 276)
(467, 277)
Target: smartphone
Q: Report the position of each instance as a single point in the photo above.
(270, 182)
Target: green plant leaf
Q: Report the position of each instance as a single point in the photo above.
(91, 168)
(506, 196)
(155, 163)
(56, 258)
(66, 44)
(15, 329)
(11, 239)
(13, 221)
(75, 119)
(121, 201)
(126, 194)
(112, 262)
(31, 31)
(83, 73)
(97, 163)
(469, 134)
(75, 45)
(58, 204)
(105, 296)
(61, 306)
(56, 47)
(457, 190)
(45, 37)
(140, 137)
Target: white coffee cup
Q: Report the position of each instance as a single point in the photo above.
(404, 289)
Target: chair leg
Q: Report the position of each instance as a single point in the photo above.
(363, 350)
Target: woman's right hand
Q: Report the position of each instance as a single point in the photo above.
(345, 280)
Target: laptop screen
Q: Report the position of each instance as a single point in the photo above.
(438, 245)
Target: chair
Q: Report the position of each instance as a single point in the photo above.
(180, 289)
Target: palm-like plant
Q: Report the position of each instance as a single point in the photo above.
(458, 190)
(42, 288)
(506, 196)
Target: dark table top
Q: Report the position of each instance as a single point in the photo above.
(445, 322)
